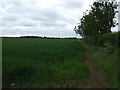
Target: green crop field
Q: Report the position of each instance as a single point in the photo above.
(36, 63)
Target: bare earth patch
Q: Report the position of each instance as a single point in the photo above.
(97, 78)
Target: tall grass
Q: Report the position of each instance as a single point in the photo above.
(35, 63)
(107, 59)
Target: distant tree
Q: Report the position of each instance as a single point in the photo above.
(98, 20)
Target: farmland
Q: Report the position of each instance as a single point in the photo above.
(36, 63)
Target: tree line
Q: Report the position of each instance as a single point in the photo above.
(44, 37)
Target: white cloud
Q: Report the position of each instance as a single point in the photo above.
(41, 17)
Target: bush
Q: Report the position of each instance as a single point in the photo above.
(105, 39)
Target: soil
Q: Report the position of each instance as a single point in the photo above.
(97, 78)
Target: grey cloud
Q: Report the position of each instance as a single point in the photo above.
(28, 25)
(22, 7)
(26, 18)
(34, 31)
(52, 14)
(73, 5)
(9, 18)
(31, 11)
(48, 14)
(2, 5)
(26, 22)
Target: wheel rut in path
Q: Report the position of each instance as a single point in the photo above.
(96, 78)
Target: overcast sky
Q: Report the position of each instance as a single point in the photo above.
(41, 17)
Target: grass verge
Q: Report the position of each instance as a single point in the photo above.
(107, 60)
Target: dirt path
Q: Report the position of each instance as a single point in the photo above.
(96, 79)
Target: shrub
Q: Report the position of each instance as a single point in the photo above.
(105, 39)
